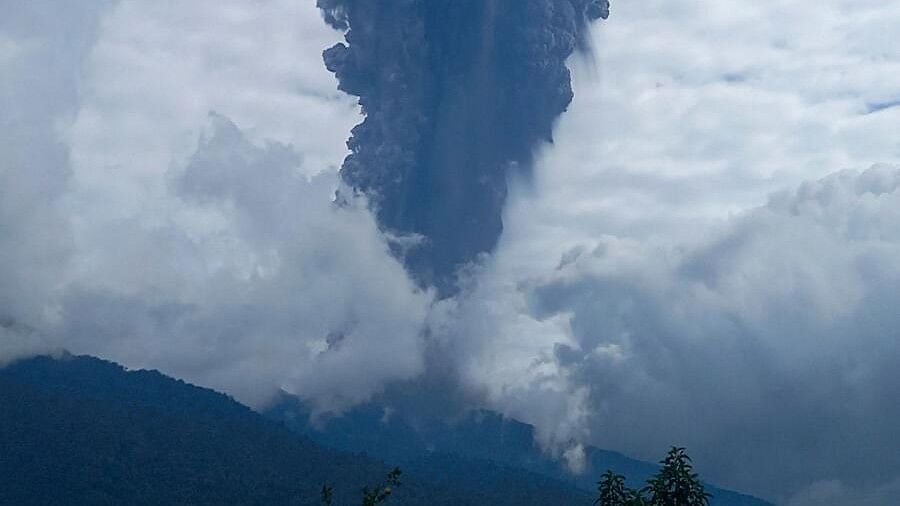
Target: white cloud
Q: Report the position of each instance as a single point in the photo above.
(640, 266)
(638, 272)
(771, 338)
(19, 341)
(160, 67)
(249, 280)
(44, 45)
(10, 49)
(225, 263)
(694, 110)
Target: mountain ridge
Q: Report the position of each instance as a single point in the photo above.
(387, 435)
(80, 430)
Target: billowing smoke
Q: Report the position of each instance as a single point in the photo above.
(765, 342)
(772, 338)
(456, 94)
(138, 227)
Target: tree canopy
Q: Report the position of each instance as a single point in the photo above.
(676, 484)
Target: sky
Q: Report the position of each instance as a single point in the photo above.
(707, 255)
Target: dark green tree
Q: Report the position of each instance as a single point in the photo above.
(327, 495)
(371, 496)
(614, 492)
(379, 494)
(676, 483)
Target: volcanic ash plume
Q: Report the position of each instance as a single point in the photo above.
(456, 94)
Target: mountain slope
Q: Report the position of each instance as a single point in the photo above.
(84, 431)
(418, 443)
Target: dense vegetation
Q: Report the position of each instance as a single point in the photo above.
(675, 484)
(82, 431)
(454, 451)
(370, 495)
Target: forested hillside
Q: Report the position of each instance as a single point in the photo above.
(83, 431)
(429, 444)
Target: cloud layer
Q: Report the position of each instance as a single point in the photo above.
(770, 340)
(254, 282)
(638, 273)
(141, 228)
(690, 263)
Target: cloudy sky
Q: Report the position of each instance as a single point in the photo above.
(708, 255)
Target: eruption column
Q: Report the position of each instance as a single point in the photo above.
(456, 94)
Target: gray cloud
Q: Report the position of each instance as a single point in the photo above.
(224, 263)
(630, 280)
(772, 340)
(42, 45)
(255, 282)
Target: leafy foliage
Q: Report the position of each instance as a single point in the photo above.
(380, 493)
(327, 495)
(676, 484)
(614, 492)
(371, 496)
(478, 451)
